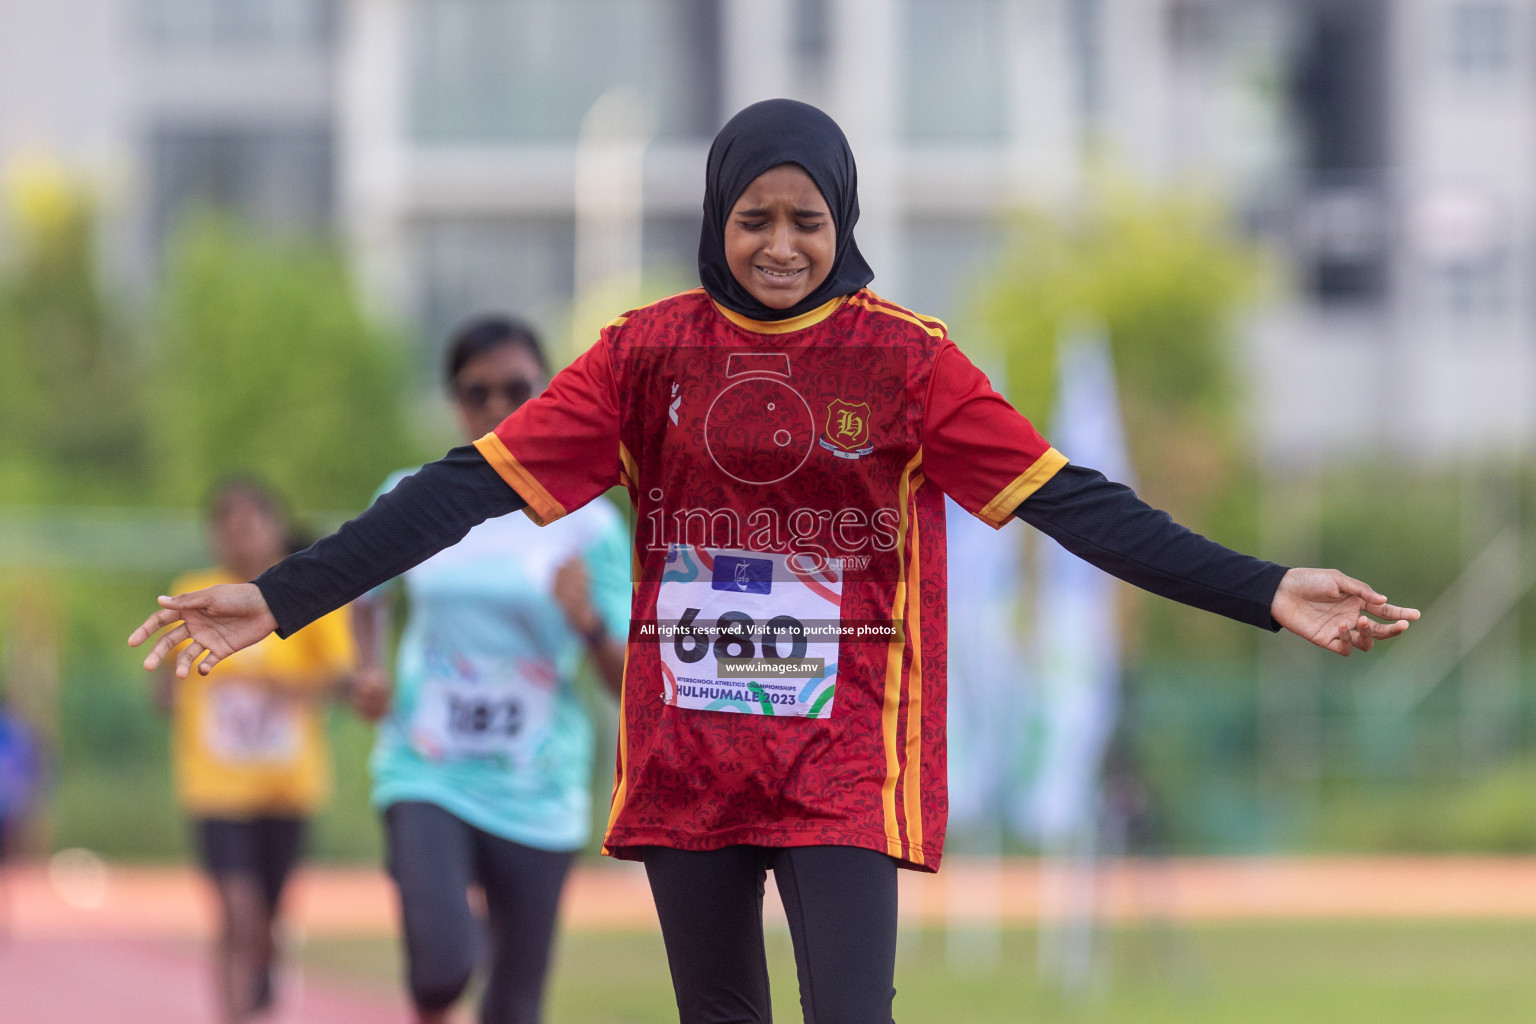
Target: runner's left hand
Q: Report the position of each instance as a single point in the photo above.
(1332, 610)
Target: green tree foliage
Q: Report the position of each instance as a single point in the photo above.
(1165, 276)
(70, 415)
(260, 361)
(268, 365)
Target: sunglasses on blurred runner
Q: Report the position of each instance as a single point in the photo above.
(515, 392)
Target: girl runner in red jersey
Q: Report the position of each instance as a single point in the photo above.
(787, 437)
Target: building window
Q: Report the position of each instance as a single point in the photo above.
(812, 41)
(528, 70)
(269, 25)
(1342, 238)
(1342, 87)
(276, 175)
(1473, 289)
(670, 247)
(944, 258)
(524, 266)
(955, 70)
(1481, 37)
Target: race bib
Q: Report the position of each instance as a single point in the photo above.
(247, 723)
(481, 712)
(748, 632)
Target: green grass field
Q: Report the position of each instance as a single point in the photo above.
(1410, 973)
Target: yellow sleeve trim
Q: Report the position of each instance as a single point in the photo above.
(542, 508)
(1026, 483)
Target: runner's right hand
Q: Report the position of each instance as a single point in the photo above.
(370, 692)
(219, 620)
(573, 593)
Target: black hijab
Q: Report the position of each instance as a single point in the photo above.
(762, 137)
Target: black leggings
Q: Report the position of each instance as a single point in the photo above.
(841, 905)
(433, 858)
(265, 849)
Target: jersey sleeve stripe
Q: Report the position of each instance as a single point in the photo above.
(891, 708)
(623, 318)
(1026, 483)
(889, 712)
(863, 302)
(621, 769)
(912, 785)
(629, 473)
(931, 322)
(542, 507)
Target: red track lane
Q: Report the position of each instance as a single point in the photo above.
(172, 903)
(127, 981)
(127, 945)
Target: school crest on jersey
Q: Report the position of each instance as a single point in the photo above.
(847, 429)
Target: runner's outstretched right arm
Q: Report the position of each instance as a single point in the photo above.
(426, 512)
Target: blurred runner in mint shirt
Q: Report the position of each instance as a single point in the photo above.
(486, 722)
(482, 763)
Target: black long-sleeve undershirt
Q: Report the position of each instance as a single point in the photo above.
(1101, 522)
(428, 511)
(1106, 525)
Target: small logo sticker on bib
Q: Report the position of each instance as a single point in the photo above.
(734, 574)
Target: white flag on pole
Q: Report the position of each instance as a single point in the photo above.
(1076, 621)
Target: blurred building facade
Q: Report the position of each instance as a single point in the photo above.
(166, 103)
(464, 119)
(1410, 218)
(1387, 147)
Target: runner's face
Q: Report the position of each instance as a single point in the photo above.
(491, 387)
(246, 536)
(779, 239)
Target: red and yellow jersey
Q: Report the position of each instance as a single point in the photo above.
(247, 739)
(785, 682)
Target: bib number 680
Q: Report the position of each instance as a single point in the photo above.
(734, 633)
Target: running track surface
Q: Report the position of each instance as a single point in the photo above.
(171, 903)
(123, 944)
(136, 981)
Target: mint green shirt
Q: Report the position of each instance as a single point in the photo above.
(486, 722)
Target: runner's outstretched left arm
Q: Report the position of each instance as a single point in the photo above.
(1105, 524)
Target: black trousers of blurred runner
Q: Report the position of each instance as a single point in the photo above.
(264, 850)
(841, 905)
(267, 849)
(433, 858)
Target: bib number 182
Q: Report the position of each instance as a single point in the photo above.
(482, 717)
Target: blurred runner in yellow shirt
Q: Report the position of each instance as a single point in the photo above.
(249, 751)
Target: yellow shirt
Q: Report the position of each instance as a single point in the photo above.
(247, 738)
